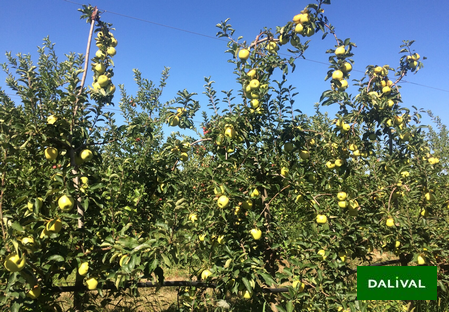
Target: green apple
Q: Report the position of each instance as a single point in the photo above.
(256, 233)
(66, 203)
(111, 51)
(103, 80)
(223, 201)
(51, 153)
(288, 147)
(304, 155)
(100, 68)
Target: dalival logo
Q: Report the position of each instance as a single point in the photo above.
(398, 283)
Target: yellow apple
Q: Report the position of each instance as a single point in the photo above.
(397, 244)
(66, 203)
(256, 233)
(13, 263)
(113, 42)
(51, 153)
(220, 239)
(321, 219)
(103, 81)
(111, 51)
(174, 121)
(28, 241)
(92, 283)
(378, 70)
(339, 162)
(229, 131)
(322, 253)
(343, 204)
(255, 103)
(247, 295)
(272, 47)
(330, 165)
(429, 197)
(100, 68)
(337, 75)
(342, 196)
(201, 237)
(284, 171)
(51, 119)
(248, 204)
(84, 267)
(390, 222)
(86, 155)
(340, 51)
(55, 226)
(111, 88)
(421, 260)
(34, 292)
(299, 29)
(244, 54)
(386, 90)
(193, 217)
(205, 274)
(300, 287)
(343, 86)
(223, 201)
(254, 84)
(123, 260)
(100, 54)
(347, 67)
(255, 193)
(184, 156)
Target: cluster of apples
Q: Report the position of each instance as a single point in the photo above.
(340, 75)
(106, 44)
(304, 24)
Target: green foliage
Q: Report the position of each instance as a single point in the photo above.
(145, 205)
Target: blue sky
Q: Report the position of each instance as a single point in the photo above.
(377, 27)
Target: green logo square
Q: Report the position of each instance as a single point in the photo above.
(397, 283)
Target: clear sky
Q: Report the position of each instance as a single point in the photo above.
(377, 27)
